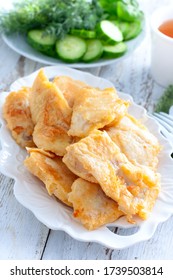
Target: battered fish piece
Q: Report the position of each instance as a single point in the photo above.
(50, 169)
(147, 197)
(95, 108)
(69, 87)
(16, 112)
(91, 206)
(51, 115)
(135, 141)
(97, 158)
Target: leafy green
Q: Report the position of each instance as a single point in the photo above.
(57, 17)
(127, 10)
(166, 100)
(109, 6)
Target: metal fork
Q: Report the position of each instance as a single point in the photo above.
(166, 123)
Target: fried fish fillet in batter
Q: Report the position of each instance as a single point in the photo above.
(51, 115)
(95, 108)
(50, 169)
(135, 141)
(97, 158)
(91, 206)
(146, 196)
(17, 114)
(69, 87)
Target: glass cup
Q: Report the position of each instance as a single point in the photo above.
(161, 48)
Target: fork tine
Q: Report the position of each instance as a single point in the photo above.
(164, 131)
(168, 117)
(167, 135)
(164, 122)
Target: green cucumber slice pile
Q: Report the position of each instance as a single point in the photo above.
(106, 41)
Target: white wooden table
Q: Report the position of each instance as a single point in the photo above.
(22, 236)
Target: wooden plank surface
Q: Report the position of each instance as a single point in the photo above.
(22, 236)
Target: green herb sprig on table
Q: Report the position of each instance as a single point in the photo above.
(166, 101)
(57, 17)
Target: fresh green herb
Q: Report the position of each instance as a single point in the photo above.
(109, 6)
(57, 17)
(127, 10)
(166, 101)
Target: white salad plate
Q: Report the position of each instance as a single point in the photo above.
(18, 43)
(30, 192)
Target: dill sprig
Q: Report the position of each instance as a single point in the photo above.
(166, 100)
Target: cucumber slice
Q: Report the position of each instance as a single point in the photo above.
(94, 50)
(114, 51)
(134, 30)
(109, 32)
(129, 30)
(42, 42)
(82, 33)
(123, 26)
(71, 48)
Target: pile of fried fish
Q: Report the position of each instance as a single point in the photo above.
(86, 148)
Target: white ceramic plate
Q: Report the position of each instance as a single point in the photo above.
(30, 192)
(18, 43)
